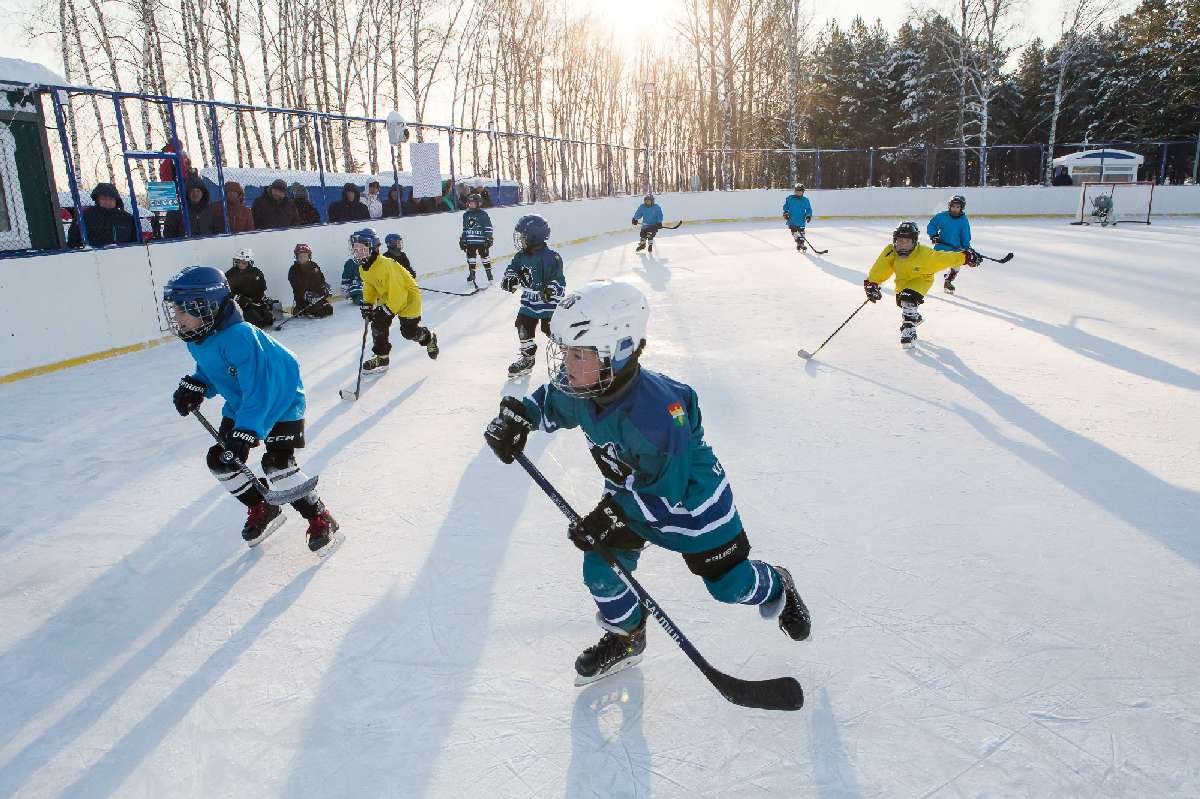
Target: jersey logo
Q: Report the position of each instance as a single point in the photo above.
(607, 457)
(233, 371)
(678, 414)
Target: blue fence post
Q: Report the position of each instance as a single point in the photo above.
(61, 120)
(817, 170)
(180, 178)
(320, 164)
(453, 192)
(133, 203)
(1162, 167)
(1042, 164)
(218, 158)
(871, 166)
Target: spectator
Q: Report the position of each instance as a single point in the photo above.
(372, 200)
(409, 206)
(486, 197)
(166, 169)
(309, 215)
(274, 209)
(349, 208)
(248, 285)
(1061, 177)
(310, 292)
(206, 218)
(464, 191)
(352, 285)
(391, 206)
(107, 221)
(237, 215)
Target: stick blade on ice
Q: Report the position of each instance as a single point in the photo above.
(805, 354)
(779, 693)
(347, 394)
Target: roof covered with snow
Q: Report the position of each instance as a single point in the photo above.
(1089, 156)
(26, 72)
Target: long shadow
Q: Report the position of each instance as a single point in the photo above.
(833, 772)
(616, 764)
(1094, 472)
(654, 272)
(102, 621)
(105, 777)
(329, 449)
(1101, 350)
(853, 276)
(388, 703)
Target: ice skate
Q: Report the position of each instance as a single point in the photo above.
(322, 530)
(614, 652)
(521, 366)
(262, 519)
(431, 347)
(788, 608)
(641, 246)
(376, 364)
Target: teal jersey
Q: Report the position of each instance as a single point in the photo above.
(650, 446)
(536, 270)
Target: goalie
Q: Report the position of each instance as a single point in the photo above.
(1102, 208)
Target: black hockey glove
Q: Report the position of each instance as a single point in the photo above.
(367, 311)
(936, 238)
(489, 242)
(509, 283)
(462, 244)
(506, 434)
(549, 294)
(972, 258)
(606, 519)
(239, 442)
(873, 292)
(189, 395)
(633, 222)
(807, 219)
(525, 277)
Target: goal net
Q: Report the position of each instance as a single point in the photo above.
(1110, 203)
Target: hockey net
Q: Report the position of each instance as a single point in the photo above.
(1127, 202)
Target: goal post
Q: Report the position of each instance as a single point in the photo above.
(1111, 203)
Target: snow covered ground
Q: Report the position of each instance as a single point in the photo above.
(996, 534)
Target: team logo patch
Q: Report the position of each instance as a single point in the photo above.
(678, 414)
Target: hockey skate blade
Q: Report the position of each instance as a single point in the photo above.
(615, 669)
(275, 524)
(334, 544)
(287, 496)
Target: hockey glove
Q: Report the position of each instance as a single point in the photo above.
(506, 434)
(462, 244)
(509, 283)
(972, 258)
(525, 277)
(549, 294)
(936, 238)
(489, 242)
(239, 443)
(807, 219)
(189, 395)
(606, 519)
(633, 221)
(367, 311)
(873, 292)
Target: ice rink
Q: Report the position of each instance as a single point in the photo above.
(998, 535)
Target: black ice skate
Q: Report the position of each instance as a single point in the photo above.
(321, 532)
(908, 335)
(376, 364)
(641, 246)
(431, 347)
(948, 285)
(614, 652)
(789, 608)
(471, 280)
(487, 270)
(521, 366)
(649, 246)
(261, 520)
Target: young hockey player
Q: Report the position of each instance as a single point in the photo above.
(394, 243)
(259, 380)
(352, 285)
(797, 212)
(249, 287)
(914, 266)
(662, 482)
(310, 292)
(476, 238)
(650, 215)
(389, 291)
(539, 271)
(950, 231)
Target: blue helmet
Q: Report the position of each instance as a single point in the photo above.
(531, 230)
(198, 291)
(390, 238)
(366, 236)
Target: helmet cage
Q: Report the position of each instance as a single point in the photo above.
(609, 365)
(207, 311)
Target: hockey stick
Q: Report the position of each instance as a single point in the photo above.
(294, 314)
(674, 226)
(282, 497)
(452, 293)
(814, 249)
(806, 355)
(362, 353)
(780, 693)
(1003, 260)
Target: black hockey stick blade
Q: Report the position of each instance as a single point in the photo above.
(819, 252)
(780, 693)
(674, 226)
(1003, 260)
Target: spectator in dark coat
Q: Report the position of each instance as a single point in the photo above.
(274, 209)
(1061, 177)
(485, 197)
(237, 215)
(309, 215)
(350, 208)
(206, 217)
(410, 206)
(391, 206)
(107, 221)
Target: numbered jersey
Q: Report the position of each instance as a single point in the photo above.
(650, 447)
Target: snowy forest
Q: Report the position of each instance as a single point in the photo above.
(743, 76)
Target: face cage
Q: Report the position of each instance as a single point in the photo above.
(907, 252)
(556, 368)
(519, 239)
(370, 251)
(201, 309)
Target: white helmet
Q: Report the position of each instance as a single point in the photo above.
(245, 254)
(605, 315)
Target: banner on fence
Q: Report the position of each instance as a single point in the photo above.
(426, 169)
(161, 196)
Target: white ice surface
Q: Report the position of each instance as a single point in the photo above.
(996, 534)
